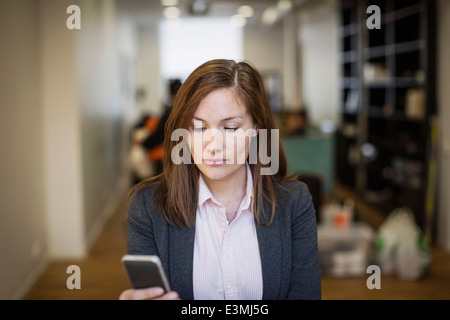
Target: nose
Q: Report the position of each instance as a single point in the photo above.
(214, 141)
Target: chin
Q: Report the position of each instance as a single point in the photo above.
(218, 173)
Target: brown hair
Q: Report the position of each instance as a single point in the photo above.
(177, 186)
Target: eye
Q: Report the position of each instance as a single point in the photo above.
(198, 129)
(231, 130)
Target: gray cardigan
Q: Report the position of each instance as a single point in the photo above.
(288, 248)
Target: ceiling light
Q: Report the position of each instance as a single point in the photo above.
(276, 12)
(199, 7)
(171, 13)
(169, 3)
(284, 5)
(270, 15)
(238, 20)
(246, 11)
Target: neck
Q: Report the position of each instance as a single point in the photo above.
(231, 188)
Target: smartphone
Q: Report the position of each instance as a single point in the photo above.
(145, 271)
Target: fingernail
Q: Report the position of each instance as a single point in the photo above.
(173, 295)
(158, 291)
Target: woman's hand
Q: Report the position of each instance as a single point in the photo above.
(154, 293)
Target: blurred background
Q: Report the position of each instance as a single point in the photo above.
(361, 101)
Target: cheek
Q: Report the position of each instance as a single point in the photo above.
(238, 144)
(196, 146)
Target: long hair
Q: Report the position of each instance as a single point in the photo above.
(176, 192)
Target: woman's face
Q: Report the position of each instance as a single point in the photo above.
(219, 135)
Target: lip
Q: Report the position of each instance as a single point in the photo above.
(215, 162)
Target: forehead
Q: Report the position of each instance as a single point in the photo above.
(220, 103)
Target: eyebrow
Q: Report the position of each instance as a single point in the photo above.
(223, 120)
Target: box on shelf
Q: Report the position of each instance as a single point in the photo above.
(345, 251)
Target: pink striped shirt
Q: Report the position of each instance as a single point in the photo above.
(227, 263)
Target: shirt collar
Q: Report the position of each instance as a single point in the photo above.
(204, 193)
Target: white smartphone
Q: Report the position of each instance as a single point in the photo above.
(145, 271)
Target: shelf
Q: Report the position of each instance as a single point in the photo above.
(349, 83)
(391, 107)
(392, 146)
(407, 82)
(364, 211)
(410, 46)
(403, 13)
(392, 49)
(398, 116)
(348, 30)
(349, 57)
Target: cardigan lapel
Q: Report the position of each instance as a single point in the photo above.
(270, 248)
(181, 255)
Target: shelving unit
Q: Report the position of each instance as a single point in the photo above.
(388, 101)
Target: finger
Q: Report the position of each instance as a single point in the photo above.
(142, 294)
(125, 295)
(172, 295)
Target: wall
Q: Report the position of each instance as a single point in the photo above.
(22, 195)
(102, 86)
(319, 52)
(444, 116)
(83, 99)
(263, 47)
(65, 220)
(66, 99)
(148, 69)
(292, 94)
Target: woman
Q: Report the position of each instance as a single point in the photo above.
(222, 228)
